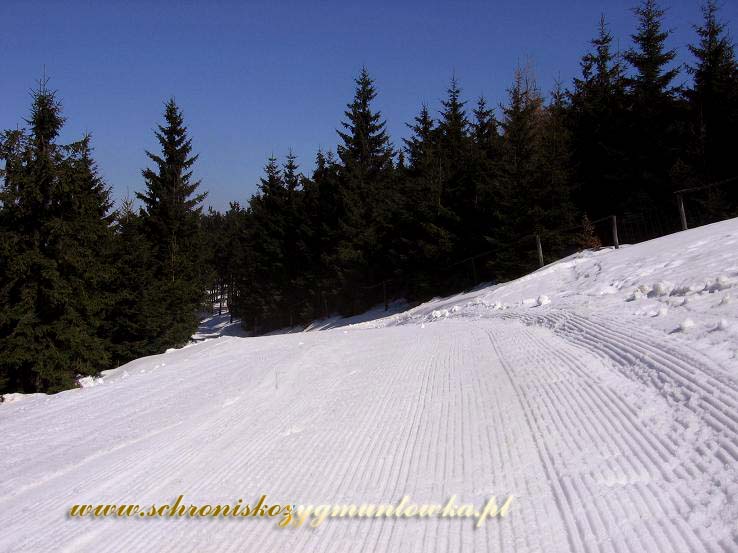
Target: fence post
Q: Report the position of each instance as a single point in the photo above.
(540, 250)
(682, 214)
(615, 240)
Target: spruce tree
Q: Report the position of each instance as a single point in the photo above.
(598, 128)
(654, 114)
(713, 104)
(486, 153)
(650, 57)
(171, 218)
(266, 297)
(366, 152)
(457, 180)
(420, 147)
(550, 205)
(129, 325)
(454, 128)
(366, 198)
(516, 214)
(296, 240)
(423, 223)
(484, 128)
(55, 274)
(454, 141)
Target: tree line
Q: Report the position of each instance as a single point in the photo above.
(84, 287)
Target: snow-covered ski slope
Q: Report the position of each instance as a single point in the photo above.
(601, 391)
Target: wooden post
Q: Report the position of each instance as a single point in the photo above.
(615, 240)
(384, 293)
(540, 250)
(682, 214)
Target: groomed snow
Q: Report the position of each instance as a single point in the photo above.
(601, 391)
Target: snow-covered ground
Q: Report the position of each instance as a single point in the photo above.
(601, 391)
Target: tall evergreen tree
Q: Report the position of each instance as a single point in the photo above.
(598, 127)
(366, 197)
(650, 57)
(713, 102)
(171, 217)
(550, 205)
(129, 326)
(454, 128)
(654, 123)
(55, 277)
(267, 239)
(366, 152)
(420, 144)
(516, 214)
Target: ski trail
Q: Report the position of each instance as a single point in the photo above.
(610, 442)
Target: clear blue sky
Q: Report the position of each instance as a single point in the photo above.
(256, 78)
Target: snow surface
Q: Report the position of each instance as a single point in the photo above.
(601, 391)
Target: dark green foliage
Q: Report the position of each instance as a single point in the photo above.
(713, 114)
(461, 203)
(129, 325)
(56, 239)
(365, 199)
(654, 128)
(170, 219)
(598, 125)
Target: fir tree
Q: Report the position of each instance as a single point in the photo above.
(598, 126)
(171, 218)
(550, 203)
(713, 102)
(650, 56)
(366, 199)
(55, 276)
(484, 128)
(129, 325)
(516, 212)
(366, 152)
(654, 114)
(419, 146)
(266, 236)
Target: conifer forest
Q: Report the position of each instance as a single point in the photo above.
(473, 193)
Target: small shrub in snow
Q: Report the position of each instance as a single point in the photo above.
(588, 240)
